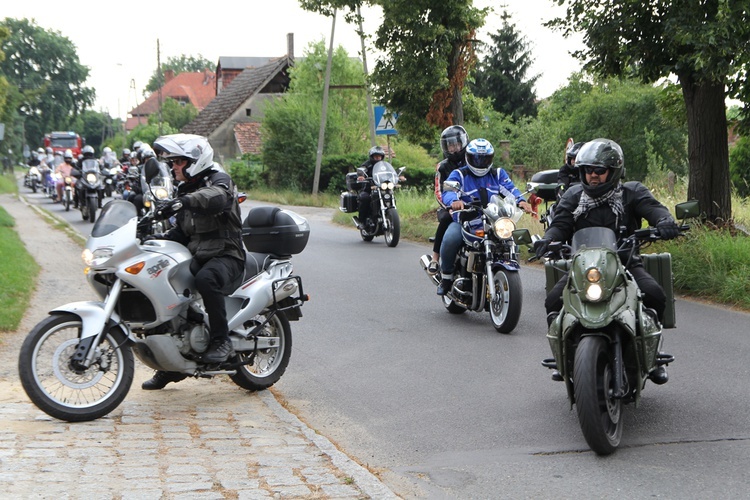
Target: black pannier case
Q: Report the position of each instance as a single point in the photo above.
(548, 184)
(274, 230)
(348, 203)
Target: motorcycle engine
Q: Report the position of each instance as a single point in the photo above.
(195, 338)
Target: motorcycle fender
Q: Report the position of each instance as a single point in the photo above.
(93, 318)
(508, 265)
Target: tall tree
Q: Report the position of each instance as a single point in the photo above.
(45, 67)
(179, 64)
(427, 51)
(705, 43)
(502, 73)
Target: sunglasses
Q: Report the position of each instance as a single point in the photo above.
(595, 170)
(177, 162)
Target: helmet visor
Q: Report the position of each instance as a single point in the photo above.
(479, 160)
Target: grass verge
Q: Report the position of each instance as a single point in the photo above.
(18, 270)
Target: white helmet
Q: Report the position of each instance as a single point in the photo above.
(107, 150)
(193, 147)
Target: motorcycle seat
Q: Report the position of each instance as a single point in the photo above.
(255, 263)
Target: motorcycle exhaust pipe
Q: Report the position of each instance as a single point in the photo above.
(424, 261)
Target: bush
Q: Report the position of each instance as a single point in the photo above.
(739, 166)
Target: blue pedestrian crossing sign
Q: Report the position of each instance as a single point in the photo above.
(385, 124)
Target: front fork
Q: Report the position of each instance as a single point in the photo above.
(618, 391)
(93, 326)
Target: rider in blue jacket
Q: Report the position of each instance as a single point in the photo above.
(477, 176)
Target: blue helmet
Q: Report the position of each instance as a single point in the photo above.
(479, 156)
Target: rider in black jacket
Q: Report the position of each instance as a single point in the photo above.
(375, 154)
(602, 200)
(209, 223)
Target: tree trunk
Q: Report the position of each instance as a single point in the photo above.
(708, 149)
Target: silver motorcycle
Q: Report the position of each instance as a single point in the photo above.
(78, 363)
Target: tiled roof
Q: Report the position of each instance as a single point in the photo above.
(197, 88)
(229, 62)
(248, 137)
(245, 85)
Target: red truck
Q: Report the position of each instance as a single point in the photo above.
(60, 141)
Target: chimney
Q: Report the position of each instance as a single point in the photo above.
(290, 46)
(168, 75)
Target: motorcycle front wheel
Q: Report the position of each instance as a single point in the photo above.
(67, 201)
(93, 204)
(268, 365)
(64, 391)
(505, 306)
(392, 228)
(599, 414)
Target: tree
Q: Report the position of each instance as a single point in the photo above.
(428, 53)
(704, 43)
(44, 66)
(180, 64)
(501, 74)
(175, 113)
(291, 124)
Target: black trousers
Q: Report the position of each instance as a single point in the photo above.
(653, 294)
(215, 279)
(444, 220)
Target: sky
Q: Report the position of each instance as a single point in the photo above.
(118, 43)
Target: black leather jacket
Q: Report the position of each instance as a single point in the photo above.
(212, 226)
(638, 204)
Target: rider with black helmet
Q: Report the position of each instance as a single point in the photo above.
(375, 155)
(603, 200)
(453, 142)
(569, 173)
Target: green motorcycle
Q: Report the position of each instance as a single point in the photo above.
(605, 342)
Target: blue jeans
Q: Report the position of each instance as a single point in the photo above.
(452, 242)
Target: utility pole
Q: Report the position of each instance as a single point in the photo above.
(321, 133)
(370, 114)
(161, 79)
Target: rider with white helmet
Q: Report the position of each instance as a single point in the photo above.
(208, 222)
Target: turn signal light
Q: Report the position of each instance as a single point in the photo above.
(135, 268)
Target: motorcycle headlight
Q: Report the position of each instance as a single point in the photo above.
(91, 178)
(504, 228)
(594, 292)
(161, 194)
(386, 185)
(97, 257)
(593, 275)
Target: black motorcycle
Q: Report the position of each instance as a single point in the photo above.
(486, 276)
(383, 219)
(90, 189)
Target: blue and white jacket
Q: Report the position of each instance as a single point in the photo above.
(496, 181)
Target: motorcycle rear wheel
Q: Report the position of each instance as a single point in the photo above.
(269, 364)
(505, 306)
(599, 415)
(393, 227)
(451, 306)
(63, 392)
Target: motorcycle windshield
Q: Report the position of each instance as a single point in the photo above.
(90, 165)
(594, 237)
(503, 207)
(114, 215)
(382, 172)
(161, 185)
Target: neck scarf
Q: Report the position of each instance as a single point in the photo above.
(612, 198)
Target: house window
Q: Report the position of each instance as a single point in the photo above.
(248, 112)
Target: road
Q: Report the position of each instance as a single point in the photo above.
(442, 406)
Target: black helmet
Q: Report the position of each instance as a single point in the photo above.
(376, 150)
(453, 141)
(572, 152)
(601, 153)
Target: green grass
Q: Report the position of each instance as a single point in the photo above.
(18, 272)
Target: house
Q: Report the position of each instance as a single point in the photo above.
(231, 121)
(229, 67)
(197, 88)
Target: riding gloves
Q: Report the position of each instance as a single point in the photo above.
(540, 247)
(172, 207)
(668, 228)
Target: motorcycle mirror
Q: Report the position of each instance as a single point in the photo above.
(522, 236)
(151, 169)
(687, 209)
(361, 172)
(451, 186)
(400, 170)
